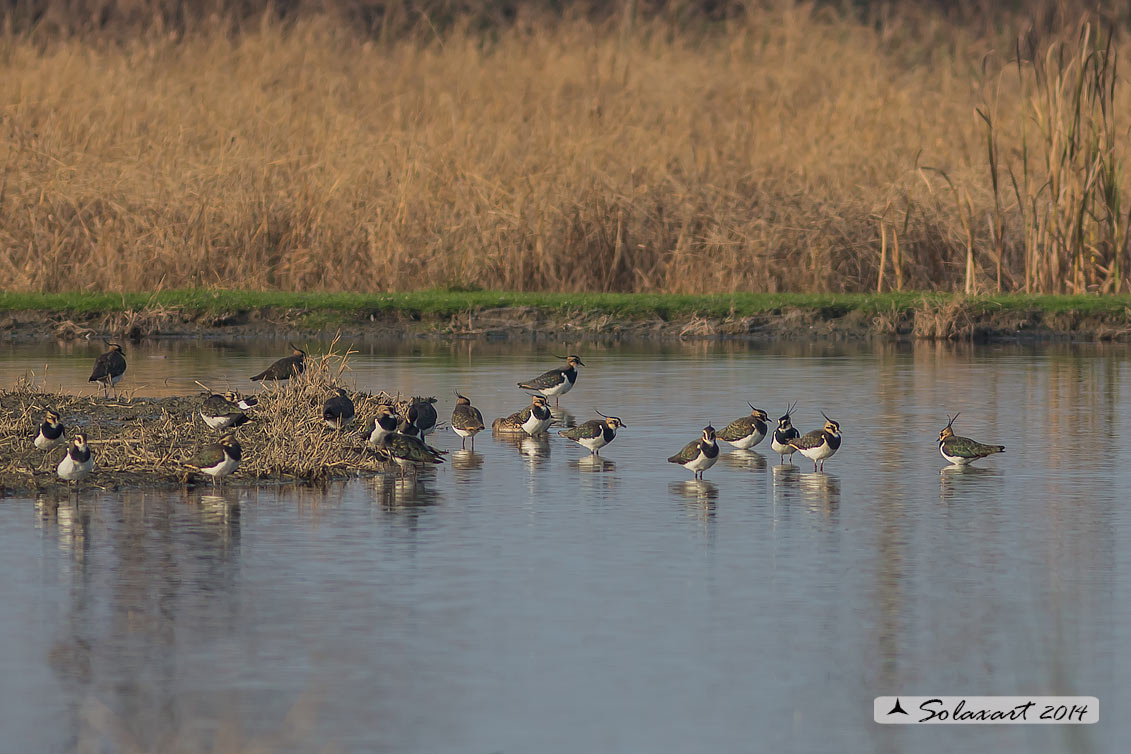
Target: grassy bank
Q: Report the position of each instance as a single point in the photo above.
(790, 147)
(565, 316)
(442, 303)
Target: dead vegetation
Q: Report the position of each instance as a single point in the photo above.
(793, 148)
(146, 442)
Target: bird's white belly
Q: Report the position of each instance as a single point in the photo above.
(534, 425)
(43, 443)
(71, 471)
(216, 422)
(956, 460)
(701, 463)
(225, 467)
(782, 450)
(819, 453)
(747, 442)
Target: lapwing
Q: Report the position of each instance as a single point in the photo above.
(595, 433)
(699, 455)
(408, 452)
(422, 414)
(783, 434)
(51, 432)
(285, 368)
(109, 368)
(218, 459)
(338, 410)
(78, 462)
(556, 382)
(385, 422)
(747, 431)
(534, 420)
(820, 443)
(962, 450)
(224, 411)
(466, 420)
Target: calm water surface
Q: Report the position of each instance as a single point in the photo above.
(525, 598)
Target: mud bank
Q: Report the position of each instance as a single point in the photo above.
(149, 442)
(942, 318)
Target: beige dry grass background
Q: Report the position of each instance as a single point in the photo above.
(790, 148)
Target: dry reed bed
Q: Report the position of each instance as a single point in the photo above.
(148, 441)
(792, 149)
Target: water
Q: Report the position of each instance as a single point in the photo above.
(525, 598)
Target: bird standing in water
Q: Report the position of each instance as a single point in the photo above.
(962, 450)
(284, 368)
(467, 421)
(699, 455)
(109, 368)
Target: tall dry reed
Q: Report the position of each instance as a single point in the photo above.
(785, 150)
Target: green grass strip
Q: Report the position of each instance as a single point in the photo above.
(446, 302)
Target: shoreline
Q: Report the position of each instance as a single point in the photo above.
(30, 318)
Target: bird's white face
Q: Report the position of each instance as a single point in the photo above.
(708, 435)
(574, 362)
(232, 397)
(614, 422)
(832, 427)
(80, 441)
(946, 433)
(52, 418)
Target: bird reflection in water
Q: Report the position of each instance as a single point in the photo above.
(957, 482)
(744, 459)
(396, 493)
(466, 460)
(787, 479)
(592, 464)
(701, 497)
(534, 449)
(562, 418)
(820, 492)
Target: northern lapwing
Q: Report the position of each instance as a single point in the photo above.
(338, 410)
(962, 450)
(747, 431)
(422, 415)
(51, 432)
(699, 455)
(109, 368)
(556, 382)
(79, 461)
(595, 433)
(820, 443)
(218, 459)
(384, 423)
(467, 421)
(224, 411)
(534, 420)
(285, 368)
(408, 452)
(783, 434)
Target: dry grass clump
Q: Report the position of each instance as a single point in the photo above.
(792, 148)
(145, 442)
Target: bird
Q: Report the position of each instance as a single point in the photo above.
(533, 420)
(109, 367)
(699, 455)
(595, 433)
(467, 421)
(408, 452)
(51, 432)
(78, 462)
(338, 410)
(385, 422)
(962, 450)
(224, 411)
(556, 382)
(422, 415)
(820, 443)
(746, 431)
(284, 368)
(783, 434)
(218, 459)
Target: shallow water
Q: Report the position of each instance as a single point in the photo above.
(527, 598)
